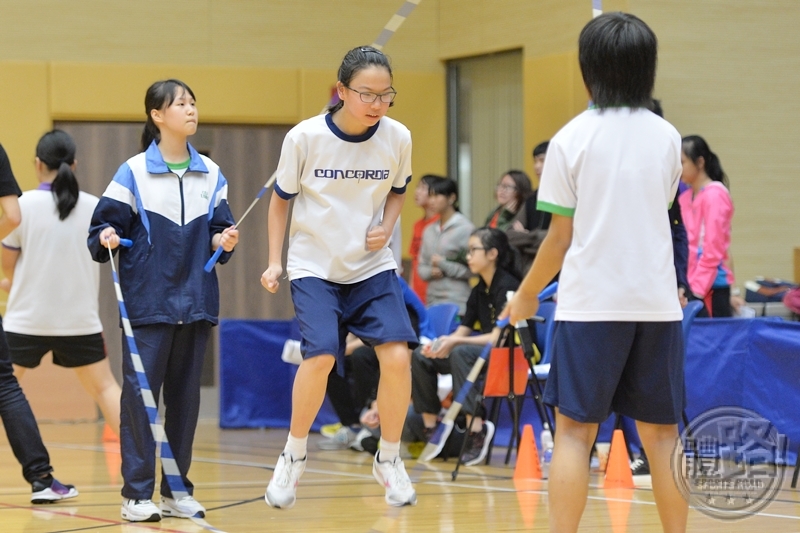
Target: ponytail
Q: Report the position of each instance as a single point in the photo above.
(56, 150)
(714, 169)
(65, 190)
(150, 133)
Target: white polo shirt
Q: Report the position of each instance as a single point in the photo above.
(56, 282)
(616, 173)
(340, 184)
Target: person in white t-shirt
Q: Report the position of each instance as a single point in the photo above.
(54, 283)
(347, 171)
(609, 177)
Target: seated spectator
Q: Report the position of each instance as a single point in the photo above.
(443, 257)
(492, 259)
(511, 192)
(529, 226)
(421, 197)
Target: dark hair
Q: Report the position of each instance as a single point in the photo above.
(618, 53)
(445, 186)
(358, 59)
(428, 179)
(160, 95)
(507, 255)
(695, 147)
(655, 107)
(541, 148)
(522, 183)
(56, 150)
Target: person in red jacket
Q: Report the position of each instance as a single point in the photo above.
(421, 196)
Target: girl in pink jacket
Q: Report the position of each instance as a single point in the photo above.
(707, 212)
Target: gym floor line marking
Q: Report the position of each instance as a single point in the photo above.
(107, 521)
(422, 481)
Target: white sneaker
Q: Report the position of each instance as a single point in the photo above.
(356, 444)
(282, 488)
(140, 511)
(392, 475)
(186, 507)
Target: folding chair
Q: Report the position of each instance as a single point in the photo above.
(443, 318)
(506, 377)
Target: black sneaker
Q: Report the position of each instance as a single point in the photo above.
(49, 490)
(640, 467)
(478, 445)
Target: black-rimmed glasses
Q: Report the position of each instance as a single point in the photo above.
(368, 98)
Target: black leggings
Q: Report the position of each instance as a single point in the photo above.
(720, 304)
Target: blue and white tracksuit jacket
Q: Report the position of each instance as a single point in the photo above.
(171, 221)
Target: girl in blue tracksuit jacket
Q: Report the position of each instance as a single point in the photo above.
(171, 202)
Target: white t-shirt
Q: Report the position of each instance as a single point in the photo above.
(340, 184)
(616, 173)
(56, 282)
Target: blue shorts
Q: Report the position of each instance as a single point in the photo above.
(373, 310)
(631, 368)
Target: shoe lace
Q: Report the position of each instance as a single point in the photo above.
(283, 476)
(398, 477)
(638, 462)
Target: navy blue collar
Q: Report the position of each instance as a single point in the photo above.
(351, 138)
(156, 164)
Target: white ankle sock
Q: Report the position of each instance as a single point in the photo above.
(295, 447)
(389, 451)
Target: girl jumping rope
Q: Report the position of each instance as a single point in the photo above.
(347, 171)
(172, 203)
(53, 302)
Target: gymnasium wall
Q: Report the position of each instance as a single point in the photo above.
(248, 61)
(727, 71)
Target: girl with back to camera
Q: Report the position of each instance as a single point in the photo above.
(54, 284)
(347, 171)
(172, 202)
(707, 211)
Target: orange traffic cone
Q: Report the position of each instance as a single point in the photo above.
(528, 466)
(109, 435)
(618, 471)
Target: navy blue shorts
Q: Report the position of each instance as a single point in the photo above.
(631, 368)
(373, 310)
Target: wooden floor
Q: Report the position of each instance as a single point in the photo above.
(337, 493)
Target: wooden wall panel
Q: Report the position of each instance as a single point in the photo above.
(729, 71)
